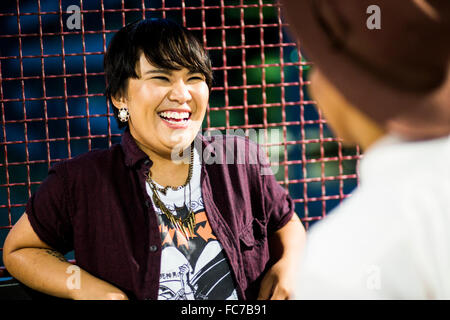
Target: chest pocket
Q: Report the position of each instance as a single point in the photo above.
(254, 233)
(254, 251)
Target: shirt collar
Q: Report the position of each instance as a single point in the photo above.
(133, 154)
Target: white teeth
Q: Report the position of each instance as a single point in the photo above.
(176, 122)
(175, 115)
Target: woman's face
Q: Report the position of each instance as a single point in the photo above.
(166, 107)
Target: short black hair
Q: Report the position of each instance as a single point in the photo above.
(164, 43)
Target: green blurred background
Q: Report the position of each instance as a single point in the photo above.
(261, 81)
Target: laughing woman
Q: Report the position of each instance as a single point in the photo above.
(158, 216)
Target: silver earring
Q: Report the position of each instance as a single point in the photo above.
(124, 115)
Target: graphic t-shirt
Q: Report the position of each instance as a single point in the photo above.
(193, 268)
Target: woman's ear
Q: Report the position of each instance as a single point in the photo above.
(119, 101)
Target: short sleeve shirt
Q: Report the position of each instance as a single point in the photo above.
(390, 239)
(96, 204)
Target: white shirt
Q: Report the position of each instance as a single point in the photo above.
(391, 238)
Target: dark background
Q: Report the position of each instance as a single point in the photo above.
(53, 107)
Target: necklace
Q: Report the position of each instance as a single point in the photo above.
(188, 179)
(188, 223)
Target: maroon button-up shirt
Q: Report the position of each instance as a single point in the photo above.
(97, 205)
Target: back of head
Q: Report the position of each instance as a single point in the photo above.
(396, 72)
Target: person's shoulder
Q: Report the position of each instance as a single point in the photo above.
(423, 182)
(96, 158)
(369, 235)
(358, 231)
(416, 165)
(375, 221)
(363, 223)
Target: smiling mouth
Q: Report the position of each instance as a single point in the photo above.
(178, 118)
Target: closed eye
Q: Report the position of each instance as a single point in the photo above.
(161, 78)
(197, 78)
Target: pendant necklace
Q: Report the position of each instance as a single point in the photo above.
(187, 224)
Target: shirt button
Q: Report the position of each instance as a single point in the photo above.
(147, 203)
(153, 248)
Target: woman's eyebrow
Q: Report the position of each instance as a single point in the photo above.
(194, 72)
(168, 72)
(153, 71)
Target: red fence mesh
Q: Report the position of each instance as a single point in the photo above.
(53, 107)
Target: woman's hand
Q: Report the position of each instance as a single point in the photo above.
(279, 282)
(286, 249)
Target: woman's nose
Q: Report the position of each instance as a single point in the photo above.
(180, 92)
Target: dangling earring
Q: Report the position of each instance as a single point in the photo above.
(124, 115)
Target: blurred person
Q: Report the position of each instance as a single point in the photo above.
(153, 217)
(387, 89)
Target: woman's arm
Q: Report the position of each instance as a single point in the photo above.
(286, 248)
(39, 267)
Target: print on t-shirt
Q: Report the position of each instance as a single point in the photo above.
(194, 269)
